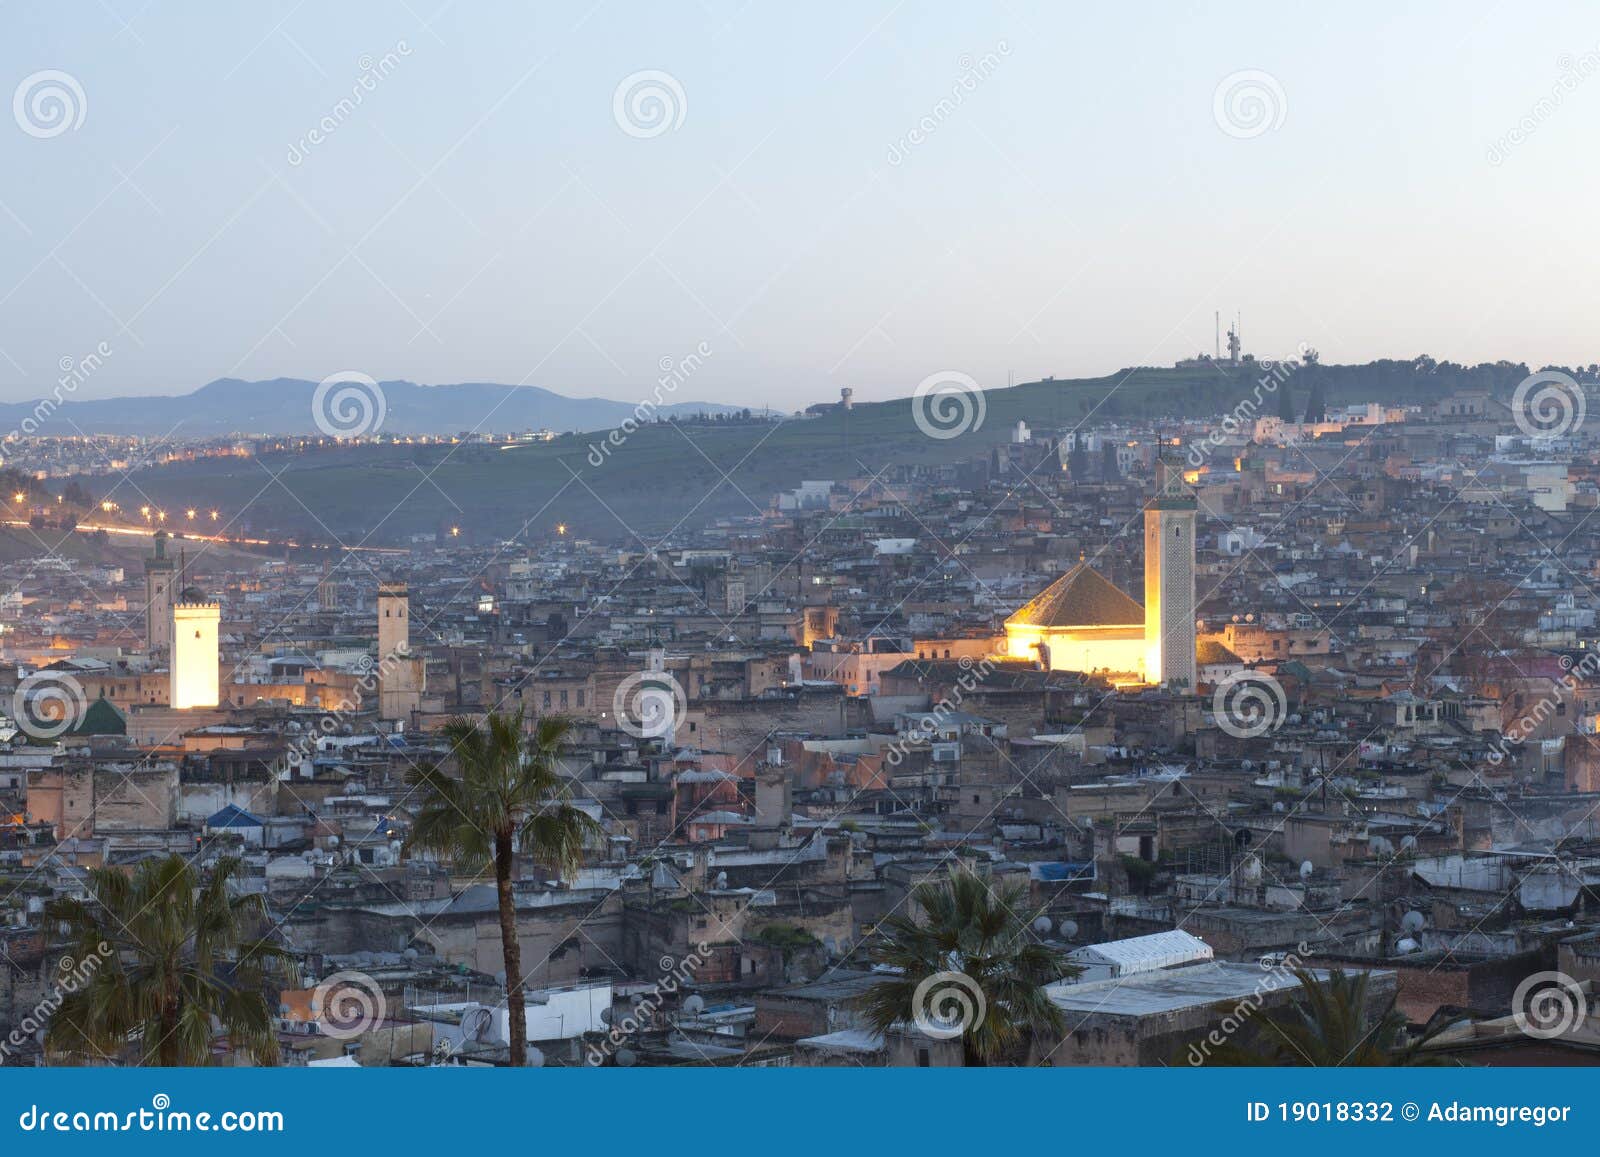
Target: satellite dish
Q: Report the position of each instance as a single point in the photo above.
(410, 954)
(1242, 838)
(1251, 868)
(1406, 946)
(722, 879)
(1279, 808)
(1413, 922)
(1042, 925)
(535, 1058)
(605, 1016)
(627, 1058)
(1380, 846)
(1307, 868)
(1408, 844)
(477, 1024)
(694, 1005)
(1069, 929)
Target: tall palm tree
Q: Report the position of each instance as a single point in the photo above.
(165, 953)
(1330, 1027)
(508, 796)
(970, 964)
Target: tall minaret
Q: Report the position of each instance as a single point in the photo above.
(158, 591)
(394, 626)
(1169, 635)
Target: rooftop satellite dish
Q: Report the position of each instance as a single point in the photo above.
(1069, 929)
(1307, 868)
(1408, 844)
(605, 1016)
(1279, 808)
(535, 1058)
(1251, 868)
(1042, 925)
(722, 879)
(1242, 838)
(477, 1024)
(1380, 846)
(1413, 922)
(694, 1005)
(1406, 946)
(627, 1058)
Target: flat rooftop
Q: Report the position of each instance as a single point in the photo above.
(1172, 989)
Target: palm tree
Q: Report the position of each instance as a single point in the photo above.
(164, 954)
(508, 795)
(971, 966)
(1330, 1028)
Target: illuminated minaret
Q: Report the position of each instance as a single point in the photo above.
(158, 592)
(196, 658)
(1169, 634)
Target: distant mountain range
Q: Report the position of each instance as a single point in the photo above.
(284, 406)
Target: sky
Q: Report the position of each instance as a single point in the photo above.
(806, 196)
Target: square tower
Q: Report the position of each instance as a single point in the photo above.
(196, 658)
(159, 576)
(1169, 634)
(394, 620)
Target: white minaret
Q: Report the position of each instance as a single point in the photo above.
(196, 658)
(1169, 635)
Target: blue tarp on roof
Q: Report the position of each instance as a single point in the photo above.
(235, 817)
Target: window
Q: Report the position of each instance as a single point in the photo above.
(563, 698)
(580, 698)
(923, 1059)
(547, 700)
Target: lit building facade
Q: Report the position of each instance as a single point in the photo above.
(196, 657)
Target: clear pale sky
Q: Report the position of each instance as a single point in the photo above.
(481, 215)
